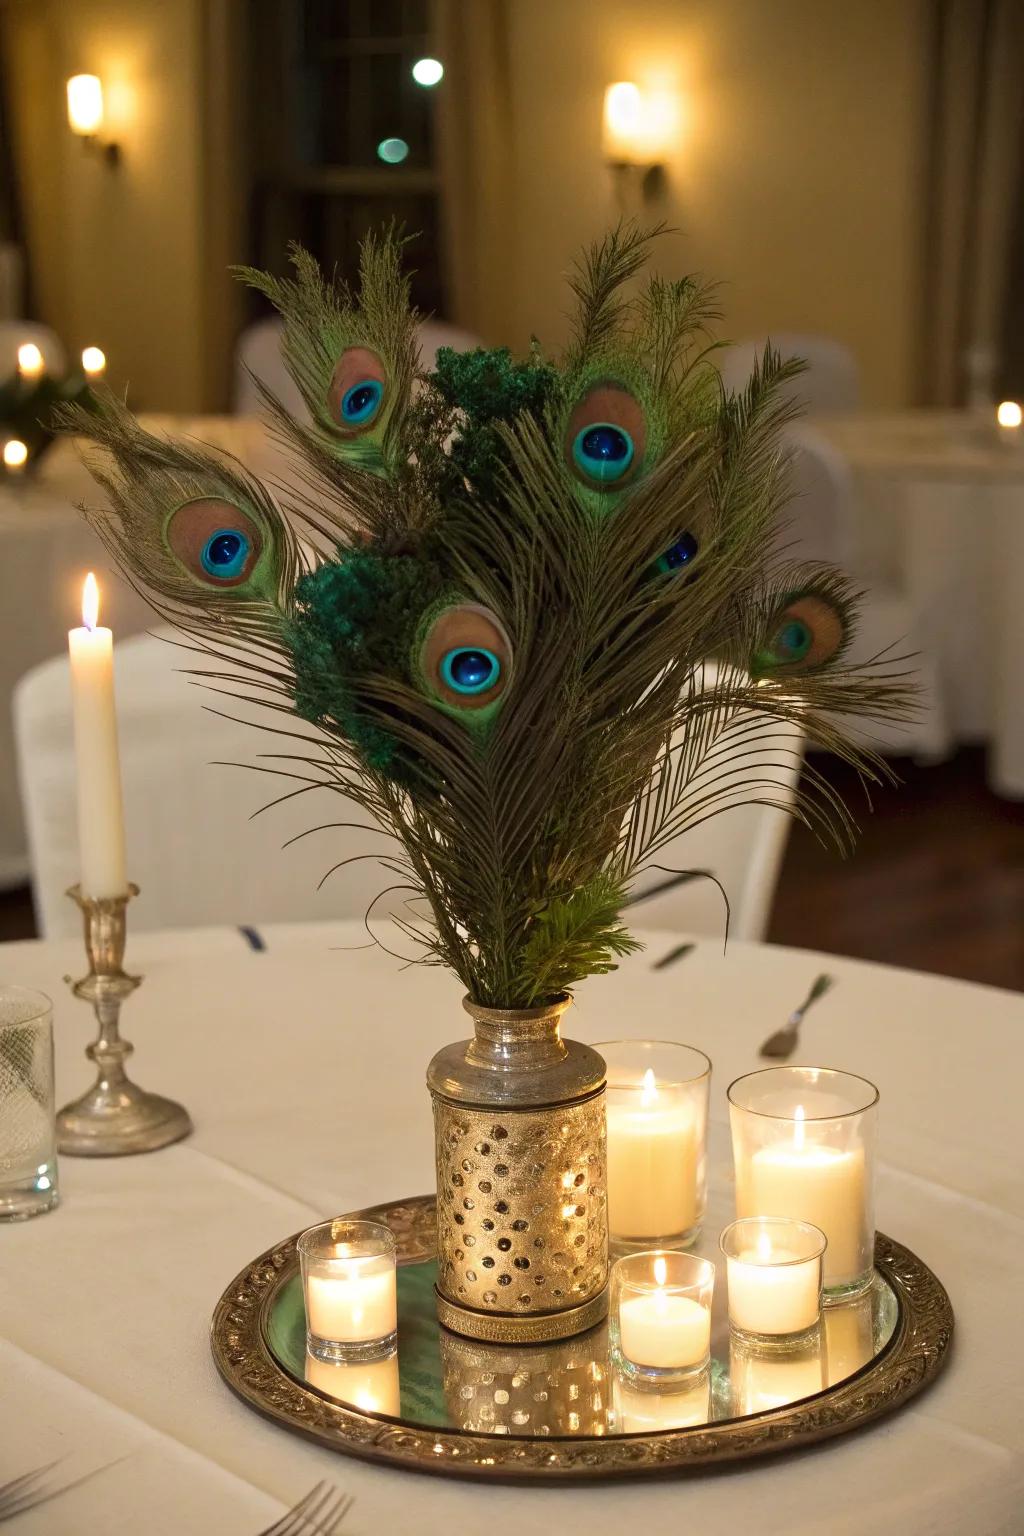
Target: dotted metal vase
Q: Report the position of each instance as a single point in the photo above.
(522, 1220)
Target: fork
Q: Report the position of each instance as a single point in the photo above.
(320, 1513)
(783, 1042)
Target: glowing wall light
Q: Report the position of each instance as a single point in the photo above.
(85, 114)
(428, 72)
(639, 129)
(85, 104)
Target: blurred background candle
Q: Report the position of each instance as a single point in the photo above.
(660, 1308)
(15, 455)
(1008, 423)
(31, 363)
(774, 1272)
(349, 1287)
(93, 363)
(98, 769)
(803, 1147)
(657, 1127)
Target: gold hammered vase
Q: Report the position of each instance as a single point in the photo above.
(522, 1214)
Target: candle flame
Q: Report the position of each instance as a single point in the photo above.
(799, 1131)
(1009, 414)
(93, 361)
(15, 453)
(764, 1247)
(660, 1271)
(90, 602)
(648, 1088)
(30, 359)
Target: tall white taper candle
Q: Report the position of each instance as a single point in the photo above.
(100, 813)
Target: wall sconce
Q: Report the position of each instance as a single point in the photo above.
(638, 130)
(85, 114)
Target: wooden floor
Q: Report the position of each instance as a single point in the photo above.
(937, 882)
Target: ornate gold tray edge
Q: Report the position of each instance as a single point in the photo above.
(912, 1359)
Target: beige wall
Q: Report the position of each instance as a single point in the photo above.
(117, 255)
(794, 181)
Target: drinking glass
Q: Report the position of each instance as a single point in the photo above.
(28, 1141)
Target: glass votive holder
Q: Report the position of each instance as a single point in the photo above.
(350, 1291)
(803, 1142)
(657, 1116)
(774, 1269)
(28, 1137)
(659, 1318)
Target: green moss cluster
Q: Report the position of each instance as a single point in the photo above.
(488, 388)
(354, 617)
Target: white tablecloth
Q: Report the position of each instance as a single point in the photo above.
(942, 520)
(303, 1069)
(46, 547)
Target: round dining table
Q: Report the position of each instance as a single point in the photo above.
(300, 1052)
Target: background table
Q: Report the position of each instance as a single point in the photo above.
(941, 517)
(303, 1066)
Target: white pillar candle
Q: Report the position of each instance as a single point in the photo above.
(100, 814)
(772, 1291)
(810, 1181)
(660, 1329)
(653, 1159)
(352, 1300)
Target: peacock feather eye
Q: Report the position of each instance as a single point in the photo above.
(603, 452)
(679, 556)
(356, 392)
(224, 554)
(606, 437)
(216, 541)
(808, 632)
(465, 657)
(362, 402)
(470, 669)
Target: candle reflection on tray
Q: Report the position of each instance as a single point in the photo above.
(639, 1410)
(370, 1385)
(762, 1381)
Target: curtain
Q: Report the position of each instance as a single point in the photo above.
(973, 166)
(477, 163)
(12, 258)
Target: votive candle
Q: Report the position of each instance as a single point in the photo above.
(661, 1314)
(350, 1289)
(657, 1128)
(774, 1273)
(803, 1147)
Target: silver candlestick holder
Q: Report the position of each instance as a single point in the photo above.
(115, 1116)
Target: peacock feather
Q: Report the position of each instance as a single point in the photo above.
(502, 653)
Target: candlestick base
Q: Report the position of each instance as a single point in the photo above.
(115, 1117)
(114, 1123)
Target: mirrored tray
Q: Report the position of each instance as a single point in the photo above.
(448, 1404)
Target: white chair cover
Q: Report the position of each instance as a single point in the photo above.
(199, 858)
(831, 381)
